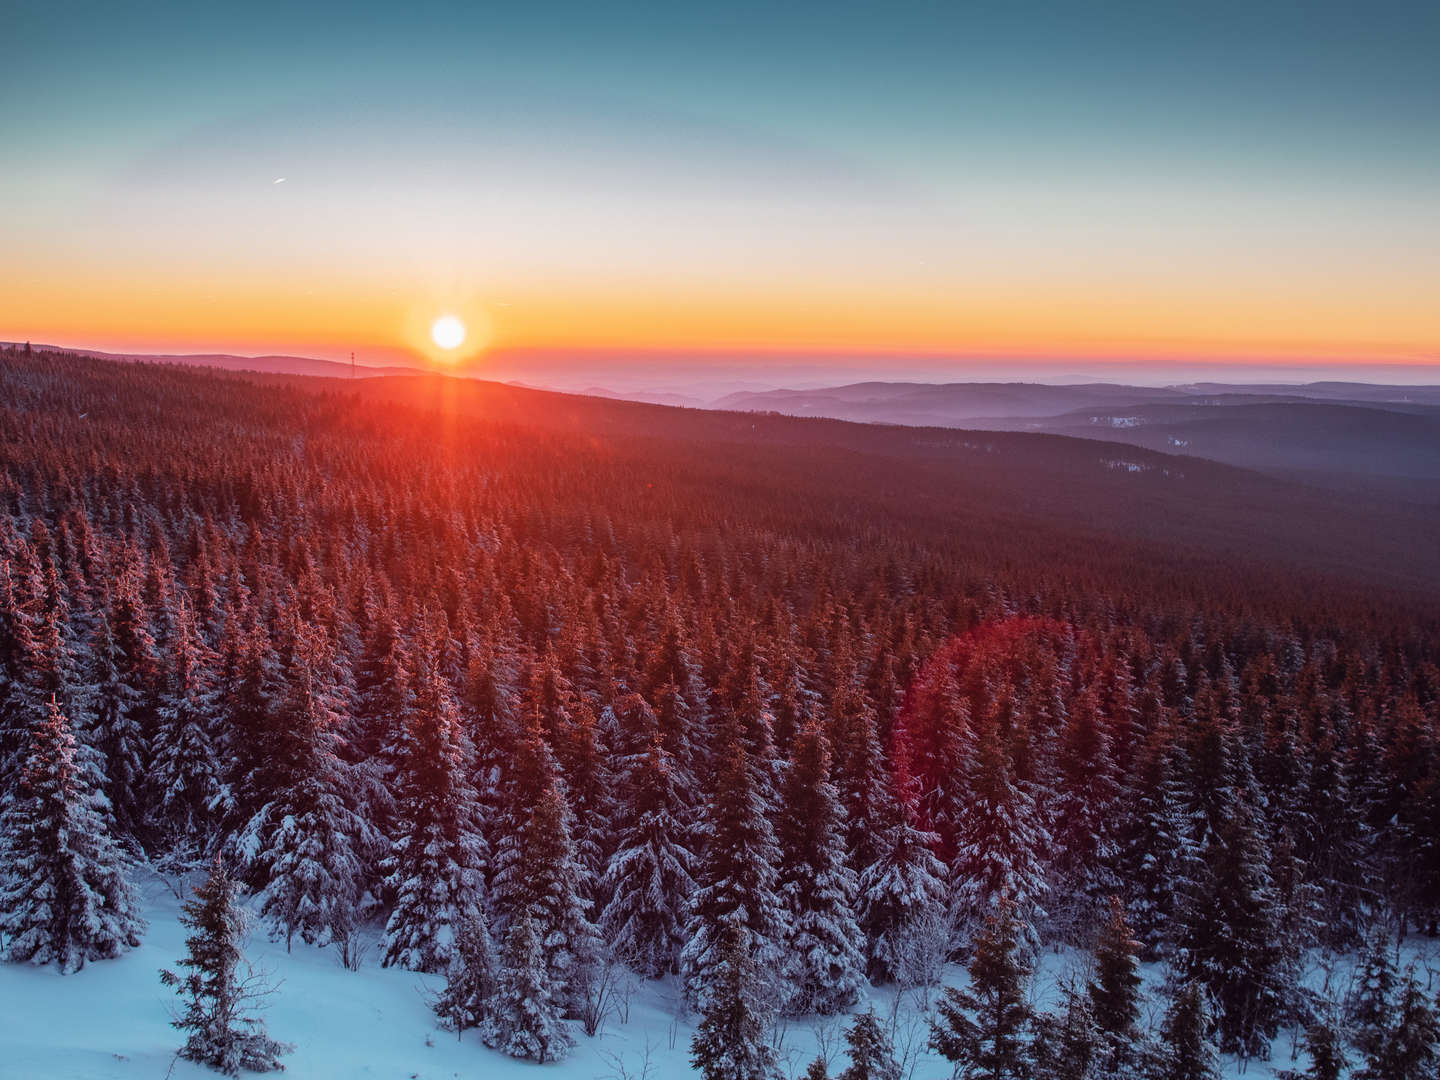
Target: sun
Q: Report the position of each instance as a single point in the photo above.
(448, 332)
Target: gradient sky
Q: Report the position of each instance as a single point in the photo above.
(892, 185)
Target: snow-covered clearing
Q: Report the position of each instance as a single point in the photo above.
(110, 1021)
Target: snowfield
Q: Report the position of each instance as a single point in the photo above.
(110, 1021)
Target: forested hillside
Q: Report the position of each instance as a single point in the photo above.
(780, 708)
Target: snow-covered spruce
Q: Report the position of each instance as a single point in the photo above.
(817, 889)
(129, 683)
(984, 1028)
(436, 866)
(1156, 848)
(589, 793)
(186, 771)
(872, 1057)
(1230, 940)
(64, 895)
(526, 1018)
(1114, 998)
(221, 994)
(1084, 824)
(902, 905)
(471, 979)
(648, 878)
(737, 883)
(731, 1041)
(1187, 1053)
(999, 856)
(309, 849)
(1409, 1047)
(537, 873)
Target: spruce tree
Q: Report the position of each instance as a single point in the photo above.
(529, 773)
(250, 693)
(792, 704)
(862, 777)
(224, 1034)
(1230, 938)
(730, 1042)
(1187, 1053)
(743, 700)
(1068, 1045)
(382, 689)
(589, 792)
(1331, 846)
(436, 867)
(1114, 993)
(43, 660)
(489, 714)
(822, 942)
(310, 849)
(536, 869)
(17, 651)
(736, 884)
(1410, 1048)
(1157, 857)
(983, 1028)
(378, 729)
(470, 980)
(1414, 834)
(187, 773)
(526, 1017)
(1085, 847)
(553, 897)
(680, 718)
(648, 878)
(1326, 1048)
(872, 1057)
(64, 895)
(1372, 1006)
(902, 902)
(130, 688)
(1421, 828)
(548, 700)
(54, 660)
(938, 749)
(1001, 845)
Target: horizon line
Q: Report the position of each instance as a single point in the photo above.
(733, 363)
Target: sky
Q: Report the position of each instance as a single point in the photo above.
(902, 187)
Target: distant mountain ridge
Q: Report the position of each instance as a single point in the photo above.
(265, 365)
(1342, 435)
(942, 403)
(946, 403)
(1328, 391)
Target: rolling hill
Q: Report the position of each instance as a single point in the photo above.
(1345, 446)
(1119, 509)
(1351, 437)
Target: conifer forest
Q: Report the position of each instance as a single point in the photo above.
(869, 754)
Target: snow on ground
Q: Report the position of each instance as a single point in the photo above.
(110, 1021)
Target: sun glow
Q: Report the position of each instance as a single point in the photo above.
(447, 332)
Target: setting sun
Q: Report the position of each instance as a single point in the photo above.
(448, 332)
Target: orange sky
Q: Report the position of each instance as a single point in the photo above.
(252, 314)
